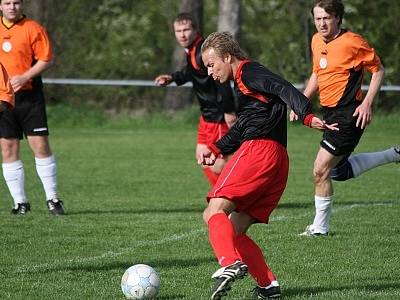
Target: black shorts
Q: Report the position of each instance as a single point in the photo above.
(27, 118)
(344, 141)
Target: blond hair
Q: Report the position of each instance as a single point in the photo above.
(223, 44)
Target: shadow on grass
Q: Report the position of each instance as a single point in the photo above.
(313, 292)
(96, 266)
(130, 211)
(337, 203)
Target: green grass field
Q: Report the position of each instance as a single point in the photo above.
(134, 194)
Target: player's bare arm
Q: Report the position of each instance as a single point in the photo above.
(310, 89)
(364, 110)
(18, 81)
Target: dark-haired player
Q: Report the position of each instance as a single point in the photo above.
(339, 59)
(216, 100)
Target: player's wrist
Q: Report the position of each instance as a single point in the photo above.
(214, 149)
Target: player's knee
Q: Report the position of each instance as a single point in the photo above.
(319, 175)
(342, 171)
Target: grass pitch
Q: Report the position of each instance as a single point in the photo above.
(134, 194)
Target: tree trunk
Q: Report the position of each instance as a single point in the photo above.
(178, 98)
(229, 17)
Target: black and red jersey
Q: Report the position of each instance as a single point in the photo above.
(214, 98)
(339, 66)
(262, 113)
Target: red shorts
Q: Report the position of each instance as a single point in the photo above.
(254, 178)
(210, 132)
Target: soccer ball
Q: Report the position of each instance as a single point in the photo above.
(140, 282)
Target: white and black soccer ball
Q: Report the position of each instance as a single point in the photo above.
(140, 282)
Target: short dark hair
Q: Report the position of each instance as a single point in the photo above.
(332, 7)
(184, 17)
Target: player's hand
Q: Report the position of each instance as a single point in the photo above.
(317, 123)
(163, 80)
(230, 119)
(293, 116)
(364, 115)
(206, 157)
(18, 81)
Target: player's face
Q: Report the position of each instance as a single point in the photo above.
(184, 33)
(219, 68)
(11, 9)
(326, 24)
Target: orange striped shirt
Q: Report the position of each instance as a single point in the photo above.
(22, 44)
(339, 66)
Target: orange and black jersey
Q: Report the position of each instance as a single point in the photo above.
(215, 98)
(263, 99)
(22, 44)
(339, 66)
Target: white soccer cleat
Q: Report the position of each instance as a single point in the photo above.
(310, 231)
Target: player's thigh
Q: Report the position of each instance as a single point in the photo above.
(325, 162)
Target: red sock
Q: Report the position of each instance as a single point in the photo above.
(253, 257)
(211, 176)
(221, 235)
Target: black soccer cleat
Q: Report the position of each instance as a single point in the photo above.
(55, 206)
(224, 277)
(271, 292)
(21, 209)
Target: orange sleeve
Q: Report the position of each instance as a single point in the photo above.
(367, 58)
(6, 91)
(41, 45)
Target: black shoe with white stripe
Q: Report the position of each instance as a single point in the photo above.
(270, 292)
(55, 206)
(224, 277)
(21, 208)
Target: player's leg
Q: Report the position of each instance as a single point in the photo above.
(46, 169)
(253, 257)
(363, 162)
(323, 198)
(35, 127)
(14, 175)
(222, 239)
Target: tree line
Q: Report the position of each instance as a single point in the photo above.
(133, 39)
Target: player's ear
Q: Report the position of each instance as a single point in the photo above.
(228, 59)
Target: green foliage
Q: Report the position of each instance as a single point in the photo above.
(132, 39)
(136, 195)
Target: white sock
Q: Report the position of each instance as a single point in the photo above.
(47, 171)
(363, 162)
(323, 209)
(15, 179)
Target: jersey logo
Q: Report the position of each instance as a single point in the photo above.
(323, 63)
(6, 46)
